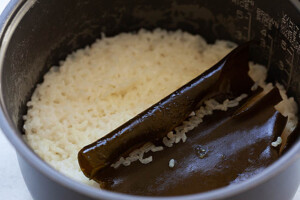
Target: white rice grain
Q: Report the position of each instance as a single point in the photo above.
(172, 163)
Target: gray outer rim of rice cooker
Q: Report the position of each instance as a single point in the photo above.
(9, 20)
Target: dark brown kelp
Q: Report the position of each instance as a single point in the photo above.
(237, 145)
(229, 78)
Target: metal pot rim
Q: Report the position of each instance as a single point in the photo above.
(9, 20)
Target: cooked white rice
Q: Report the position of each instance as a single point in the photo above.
(172, 163)
(98, 88)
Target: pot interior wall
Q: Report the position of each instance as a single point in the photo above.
(50, 30)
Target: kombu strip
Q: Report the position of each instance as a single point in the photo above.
(229, 77)
(237, 142)
(237, 145)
